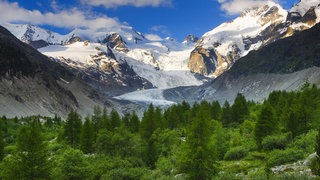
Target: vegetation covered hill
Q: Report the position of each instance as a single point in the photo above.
(203, 141)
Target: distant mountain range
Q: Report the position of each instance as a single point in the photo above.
(122, 68)
(286, 64)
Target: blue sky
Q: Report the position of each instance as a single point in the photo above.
(174, 18)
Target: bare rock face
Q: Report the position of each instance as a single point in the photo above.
(74, 40)
(202, 61)
(116, 42)
(191, 39)
(310, 17)
(293, 17)
(210, 62)
(271, 16)
(38, 44)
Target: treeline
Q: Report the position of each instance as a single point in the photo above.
(202, 141)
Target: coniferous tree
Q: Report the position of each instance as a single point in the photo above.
(2, 144)
(134, 123)
(86, 138)
(115, 120)
(240, 109)
(158, 118)
(150, 155)
(226, 115)
(72, 129)
(126, 120)
(216, 110)
(97, 121)
(266, 123)
(31, 159)
(171, 118)
(200, 154)
(148, 123)
(106, 124)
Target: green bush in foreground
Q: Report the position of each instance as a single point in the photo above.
(278, 157)
(236, 153)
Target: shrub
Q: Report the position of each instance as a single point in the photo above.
(236, 153)
(315, 166)
(278, 157)
(125, 173)
(275, 141)
(257, 155)
(306, 142)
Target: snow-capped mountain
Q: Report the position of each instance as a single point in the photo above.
(163, 62)
(219, 48)
(119, 60)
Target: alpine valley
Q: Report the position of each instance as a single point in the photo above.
(264, 49)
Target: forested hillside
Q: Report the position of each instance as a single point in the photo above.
(203, 141)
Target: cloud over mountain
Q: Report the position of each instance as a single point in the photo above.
(233, 7)
(135, 3)
(71, 18)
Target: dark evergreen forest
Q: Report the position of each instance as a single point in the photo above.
(206, 140)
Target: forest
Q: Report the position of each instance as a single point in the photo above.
(206, 140)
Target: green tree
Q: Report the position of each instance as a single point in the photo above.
(240, 110)
(126, 120)
(71, 165)
(200, 156)
(216, 110)
(104, 142)
(120, 143)
(266, 123)
(226, 115)
(97, 121)
(171, 118)
(115, 120)
(134, 123)
(2, 144)
(31, 159)
(86, 137)
(148, 123)
(106, 123)
(72, 129)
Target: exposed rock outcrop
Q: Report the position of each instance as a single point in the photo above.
(190, 39)
(74, 40)
(202, 61)
(116, 42)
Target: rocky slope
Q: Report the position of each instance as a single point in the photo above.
(293, 61)
(163, 62)
(32, 84)
(217, 50)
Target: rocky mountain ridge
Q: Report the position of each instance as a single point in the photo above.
(294, 61)
(217, 50)
(30, 81)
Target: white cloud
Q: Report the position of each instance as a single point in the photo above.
(72, 18)
(135, 3)
(153, 37)
(161, 29)
(233, 7)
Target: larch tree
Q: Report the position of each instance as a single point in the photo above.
(87, 137)
(72, 129)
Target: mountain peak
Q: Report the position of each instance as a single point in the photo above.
(304, 5)
(189, 39)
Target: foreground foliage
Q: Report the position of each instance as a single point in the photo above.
(202, 141)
